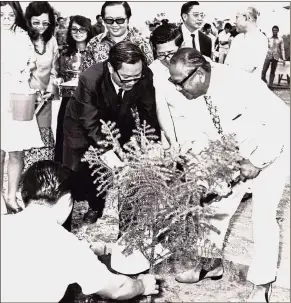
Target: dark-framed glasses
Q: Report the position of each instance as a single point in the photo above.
(81, 30)
(181, 83)
(166, 56)
(117, 20)
(10, 17)
(124, 81)
(197, 15)
(38, 23)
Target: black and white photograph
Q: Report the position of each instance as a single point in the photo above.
(145, 151)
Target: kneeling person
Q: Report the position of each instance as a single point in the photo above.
(40, 258)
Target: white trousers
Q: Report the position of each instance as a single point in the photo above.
(267, 190)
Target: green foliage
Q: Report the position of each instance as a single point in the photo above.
(158, 202)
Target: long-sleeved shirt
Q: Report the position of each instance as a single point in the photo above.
(248, 52)
(99, 46)
(43, 77)
(276, 49)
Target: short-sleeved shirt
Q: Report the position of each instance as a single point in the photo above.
(248, 51)
(39, 259)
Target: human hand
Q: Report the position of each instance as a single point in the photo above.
(150, 284)
(58, 81)
(248, 170)
(48, 96)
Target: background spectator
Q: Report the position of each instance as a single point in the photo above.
(98, 27)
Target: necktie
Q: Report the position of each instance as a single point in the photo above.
(214, 115)
(193, 40)
(119, 97)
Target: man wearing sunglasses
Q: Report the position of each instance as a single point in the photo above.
(260, 121)
(193, 17)
(116, 15)
(109, 91)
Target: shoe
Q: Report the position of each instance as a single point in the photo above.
(198, 274)
(11, 210)
(91, 216)
(260, 293)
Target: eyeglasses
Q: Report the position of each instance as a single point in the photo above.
(10, 17)
(81, 30)
(37, 23)
(117, 20)
(166, 56)
(181, 83)
(197, 15)
(123, 81)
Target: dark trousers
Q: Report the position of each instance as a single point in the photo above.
(274, 64)
(85, 189)
(60, 131)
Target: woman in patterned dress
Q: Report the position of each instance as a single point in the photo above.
(16, 136)
(40, 16)
(79, 34)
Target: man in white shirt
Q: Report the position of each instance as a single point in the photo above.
(224, 42)
(248, 49)
(39, 258)
(260, 121)
(192, 17)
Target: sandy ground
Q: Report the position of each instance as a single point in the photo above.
(233, 287)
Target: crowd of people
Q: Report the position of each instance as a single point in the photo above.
(191, 82)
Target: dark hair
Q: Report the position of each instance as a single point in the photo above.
(165, 21)
(228, 26)
(190, 57)
(98, 17)
(275, 27)
(37, 8)
(60, 18)
(47, 181)
(186, 7)
(126, 6)
(166, 33)
(125, 52)
(82, 21)
(206, 26)
(19, 17)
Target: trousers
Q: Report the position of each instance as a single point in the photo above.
(267, 189)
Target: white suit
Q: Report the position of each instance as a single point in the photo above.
(260, 121)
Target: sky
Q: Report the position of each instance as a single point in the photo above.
(271, 12)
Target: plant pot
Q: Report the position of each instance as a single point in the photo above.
(23, 106)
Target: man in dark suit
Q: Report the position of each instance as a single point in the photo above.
(108, 91)
(192, 17)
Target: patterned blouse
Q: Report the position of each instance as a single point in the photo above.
(276, 49)
(98, 48)
(65, 65)
(65, 69)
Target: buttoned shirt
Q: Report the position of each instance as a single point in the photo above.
(276, 49)
(248, 51)
(99, 46)
(188, 39)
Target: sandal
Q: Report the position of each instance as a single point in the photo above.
(197, 274)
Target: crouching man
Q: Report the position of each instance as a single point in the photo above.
(40, 258)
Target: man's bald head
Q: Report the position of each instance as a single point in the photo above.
(190, 58)
(190, 72)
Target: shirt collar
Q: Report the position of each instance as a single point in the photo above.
(116, 87)
(108, 38)
(185, 30)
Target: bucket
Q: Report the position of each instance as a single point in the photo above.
(23, 106)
